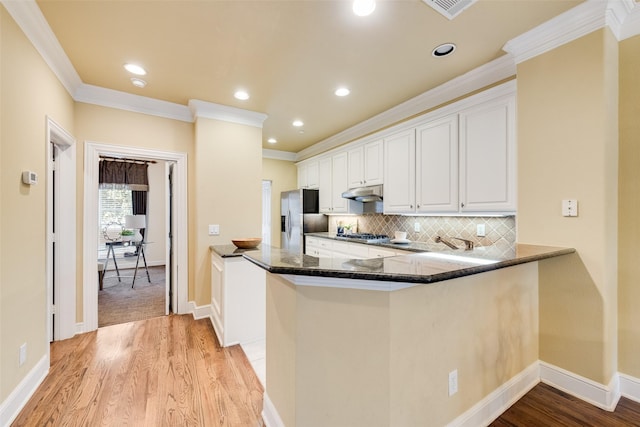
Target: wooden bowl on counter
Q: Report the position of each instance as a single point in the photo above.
(248, 243)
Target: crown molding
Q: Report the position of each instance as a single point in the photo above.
(29, 18)
(125, 101)
(278, 155)
(210, 110)
(478, 78)
(621, 16)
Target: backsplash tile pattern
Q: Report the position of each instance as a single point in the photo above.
(500, 231)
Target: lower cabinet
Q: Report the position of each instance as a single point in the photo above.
(238, 300)
(329, 248)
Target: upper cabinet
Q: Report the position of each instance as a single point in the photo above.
(332, 179)
(308, 174)
(487, 158)
(365, 164)
(459, 159)
(400, 172)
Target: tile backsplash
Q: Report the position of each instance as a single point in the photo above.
(500, 231)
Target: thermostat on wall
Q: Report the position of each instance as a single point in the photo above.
(29, 178)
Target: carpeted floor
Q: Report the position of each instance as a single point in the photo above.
(119, 303)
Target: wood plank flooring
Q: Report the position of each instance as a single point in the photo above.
(171, 371)
(166, 371)
(546, 406)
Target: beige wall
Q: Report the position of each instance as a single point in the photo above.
(371, 358)
(283, 176)
(228, 192)
(567, 148)
(117, 127)
(29, 92)
(629, 225)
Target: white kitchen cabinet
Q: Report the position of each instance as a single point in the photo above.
(487, 157)
(379, 252)
(238, 300)
(437, 166)
(400, 172)
(329, 248)
(332, 178)
(308, 174)
(365, 164)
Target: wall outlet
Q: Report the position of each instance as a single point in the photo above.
(481, 230)
(416, 227)
(570, 207)
(214, 229)
(453, 382)
(22, 354)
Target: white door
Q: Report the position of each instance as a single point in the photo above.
(339, 182)
(373, 163)
(437, 166)
(324, 185)
(399, 173)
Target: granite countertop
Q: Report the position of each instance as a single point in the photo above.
(424, 267)
(229, 251)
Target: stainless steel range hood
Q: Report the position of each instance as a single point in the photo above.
(364, 194)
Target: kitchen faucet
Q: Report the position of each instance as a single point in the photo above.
(441, 240)
(468, 244)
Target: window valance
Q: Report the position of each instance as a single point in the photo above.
(128, 175)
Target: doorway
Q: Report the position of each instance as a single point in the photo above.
(134, 203)
(177, 272)
(61, 232)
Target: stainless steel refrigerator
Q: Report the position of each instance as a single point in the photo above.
(299, 214)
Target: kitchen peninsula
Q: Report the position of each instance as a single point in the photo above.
(374, 342)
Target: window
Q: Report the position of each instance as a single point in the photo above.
(114, 204)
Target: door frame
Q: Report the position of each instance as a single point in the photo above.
(64, 267)
(92, 153)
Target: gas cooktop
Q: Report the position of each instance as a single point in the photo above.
(364, 237)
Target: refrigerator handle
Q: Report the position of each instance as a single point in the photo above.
(289, 227)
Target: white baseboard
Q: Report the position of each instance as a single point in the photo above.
(499, 400)
(13, 404)
(604, 397)
(629, 387)
(80, 328)
(199, 312)
(270, 415)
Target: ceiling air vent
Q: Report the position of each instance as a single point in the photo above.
(449, 8)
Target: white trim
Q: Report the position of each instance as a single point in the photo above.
(337, 282)
(270, 414)
(604, 397)
(29, 17)
(92, 152)
(80, 328)
(278, 155)
(629, 387)
(13, 404)
(631, 26)
(499, 400)
(200, 312)
(128, 102)
(65, 264)
(483, 76)
(210, 110)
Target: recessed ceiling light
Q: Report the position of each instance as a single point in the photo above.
(364, 7)
(138, 82)
(135, 69)
(342, 91)
(241, 95)
(298, 123)
(443, 50)
(272, 140)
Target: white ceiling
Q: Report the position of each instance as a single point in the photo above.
(289, 55)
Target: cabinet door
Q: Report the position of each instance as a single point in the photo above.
(312, 175)
(373, 163)
(303, 180)
(437, 166)
(217, 295)
(487, 157)
(355, 167)
(339, 182)
(381, 252)
(324, 185)
(399, 173)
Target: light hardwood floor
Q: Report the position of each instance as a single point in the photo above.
(166, 371)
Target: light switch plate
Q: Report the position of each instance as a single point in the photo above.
(570, 207)
(214, 229)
